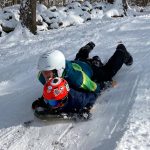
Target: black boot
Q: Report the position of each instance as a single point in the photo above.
(84, 51)
(128, 59)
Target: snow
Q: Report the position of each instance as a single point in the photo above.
(120, 116)
(0, 29)
(53, 17)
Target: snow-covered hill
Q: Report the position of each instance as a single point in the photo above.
(120, 116)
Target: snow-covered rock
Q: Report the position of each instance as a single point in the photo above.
(74, 5)
(53, 8)
(97, 13)
(15, 10)
(41, 25)
(52, 18)
(87, 5)
(40, 8)
(8, 21)
(72, 14)
(112, 13)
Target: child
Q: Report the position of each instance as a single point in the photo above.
(86, 76)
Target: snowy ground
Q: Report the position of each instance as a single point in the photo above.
(121, 115)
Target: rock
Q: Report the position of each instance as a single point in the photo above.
(7, 29)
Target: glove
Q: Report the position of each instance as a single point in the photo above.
(35, 104)
(39, 103)
(91, 44)
(84, 51)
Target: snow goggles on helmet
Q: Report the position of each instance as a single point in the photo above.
(56, 103)
(52, 103)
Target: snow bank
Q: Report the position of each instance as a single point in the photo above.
(137, 135)
(53, 18)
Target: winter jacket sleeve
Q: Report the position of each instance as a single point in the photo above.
(78, 100)
(79, 79)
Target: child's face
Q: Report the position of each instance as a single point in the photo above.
(48, 74)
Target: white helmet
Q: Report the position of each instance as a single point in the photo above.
(52, 60)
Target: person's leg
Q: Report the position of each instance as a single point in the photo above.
(128, 59)
(83, 53)
(113, 65)
(120, 57)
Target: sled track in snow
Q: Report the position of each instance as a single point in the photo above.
(11, 135)
(57, 144)
(116, 125)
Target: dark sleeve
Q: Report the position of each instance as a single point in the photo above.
(77, 100)
(84, 51)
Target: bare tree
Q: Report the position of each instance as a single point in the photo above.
(4, 3)
(64, 2)
(28, 15)
(139, 2)
(110, 1)
(145, 2)
(125, 6)
(14, 2)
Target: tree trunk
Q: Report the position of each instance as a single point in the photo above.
(64, 2)
(28, 15)
(125, 6)
(110, 1)
(14, 2)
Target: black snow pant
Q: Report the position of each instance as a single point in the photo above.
(104, 72)
(101, 72)
(109, 70)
